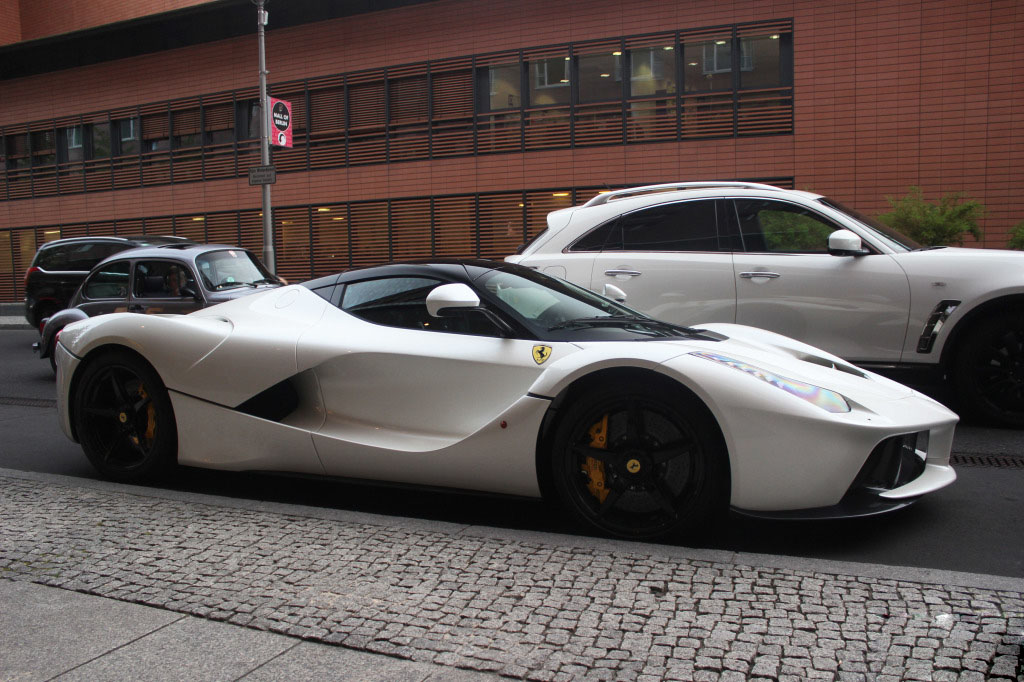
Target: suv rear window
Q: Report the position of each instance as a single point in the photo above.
(81, 257)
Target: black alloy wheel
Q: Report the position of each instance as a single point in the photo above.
(124, 419)
(989, 371)
(637, 463)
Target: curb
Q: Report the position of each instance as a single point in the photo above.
(844, 568)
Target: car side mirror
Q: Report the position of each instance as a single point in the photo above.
(449, 297)
(846, 243)
(613, 292)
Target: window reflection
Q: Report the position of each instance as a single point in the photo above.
(652, 71)
(549, 81)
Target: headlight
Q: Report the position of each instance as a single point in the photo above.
(830, 401)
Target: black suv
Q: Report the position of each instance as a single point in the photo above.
(61, 265)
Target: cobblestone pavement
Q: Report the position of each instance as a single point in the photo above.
(526, 608)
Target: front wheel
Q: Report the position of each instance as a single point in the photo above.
(637, 463)
(989, 370)
(124, 419)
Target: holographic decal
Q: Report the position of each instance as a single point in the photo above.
(822, 397)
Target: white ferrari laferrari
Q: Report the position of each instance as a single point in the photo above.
(493, 377)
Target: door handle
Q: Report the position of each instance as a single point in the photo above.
(136, 308)
(623, 273)
(768, 275)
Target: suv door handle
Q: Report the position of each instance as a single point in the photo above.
(623, 273)
(751, 275)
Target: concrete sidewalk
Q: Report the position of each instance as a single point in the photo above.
(108, 581)
(55, 634)
(12, 316)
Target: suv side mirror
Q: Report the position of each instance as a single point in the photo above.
(451, 296)
(846, 243)
(613, 292)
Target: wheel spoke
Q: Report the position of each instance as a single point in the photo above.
(601, 455)
(670, 451)
(140, 404)
(665, 497)
(119, 395)
(613, 496)
(634, 423)
(103, 411)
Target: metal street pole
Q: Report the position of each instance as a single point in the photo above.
(268, 219)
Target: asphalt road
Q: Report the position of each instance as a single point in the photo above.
(974, 525)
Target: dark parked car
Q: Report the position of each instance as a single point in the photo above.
(61, 265)
(174, 278)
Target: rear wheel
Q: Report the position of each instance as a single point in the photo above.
(989, 371)
(638, 463)
(124, 418)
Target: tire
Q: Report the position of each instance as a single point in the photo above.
(124, 419)
(53, 354)
(989, 370)
(660, 472)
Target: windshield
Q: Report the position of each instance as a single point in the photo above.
(232, 268)
(556, 309)
(897, 241)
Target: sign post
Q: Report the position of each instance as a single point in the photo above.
(268, 219)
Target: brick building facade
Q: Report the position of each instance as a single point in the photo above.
(452, 127)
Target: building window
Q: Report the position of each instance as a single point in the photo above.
(248, 119)
(600, 77)
(652, 71)
(155, 133)
(71, 148)
(767, 64)
(186, 128)
(127, 136)
(100, 134)
(44, 148)
(549, 81)
(504, 87)
(16, 151)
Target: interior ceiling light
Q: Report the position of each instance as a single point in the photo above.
(559, 194)
(617, 53)
(323, 210)
(719, 42)
(198, 219)
(774, 36)
(605, 75)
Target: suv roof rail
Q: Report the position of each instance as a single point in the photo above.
(650, 189)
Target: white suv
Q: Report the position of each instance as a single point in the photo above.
(805, 266)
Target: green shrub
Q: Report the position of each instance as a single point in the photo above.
(934, 224)
(1016, 237)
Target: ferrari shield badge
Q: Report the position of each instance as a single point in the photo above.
(541, 353)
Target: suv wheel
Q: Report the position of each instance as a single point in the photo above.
(989, 370)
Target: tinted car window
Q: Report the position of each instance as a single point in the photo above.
(110, 282)
(598, 238)
(780, 227)
(685, 226)
(161, 279)
(402, 302)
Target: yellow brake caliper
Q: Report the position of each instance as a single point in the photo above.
(593, 468)
(150, 419)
